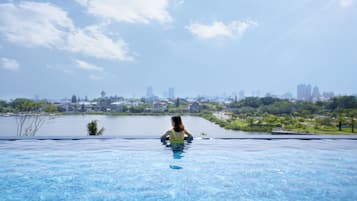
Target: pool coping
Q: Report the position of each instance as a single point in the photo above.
(250, 137)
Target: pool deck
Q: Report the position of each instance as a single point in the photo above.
(243, 137)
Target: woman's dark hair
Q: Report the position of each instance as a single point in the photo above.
(178, 125)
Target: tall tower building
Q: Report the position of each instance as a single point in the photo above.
(304, 92)
(171, 94)
(149, 92)
(316, 94)
(241, 95)
(300, 92)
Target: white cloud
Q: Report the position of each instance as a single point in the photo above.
(9, 64)
(132, 11)
(88, 66)
(34, 24)
(91, 41)
(220, 30)
(346, 3)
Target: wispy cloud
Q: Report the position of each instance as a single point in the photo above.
(346, 3)
(131, 11)
(88, 66)
(34, 24)
(9, 64)
(92, 41)
(221, 30)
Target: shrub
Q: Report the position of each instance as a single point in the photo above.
(93, 128)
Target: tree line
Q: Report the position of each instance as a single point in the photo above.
(258, 106)
(24, 105)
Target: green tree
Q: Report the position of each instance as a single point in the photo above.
(353, 122)
(74, 98)
(3, 106)
(353, 115)
(347, 102)
(51, 108)
(251, 102)
(342, 102)
(177, 104)
(268, 100)
(250, 121)
(3, 103)
(102, 94)
(93, 128)
(341, 120)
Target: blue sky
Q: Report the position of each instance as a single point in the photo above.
(58, 48)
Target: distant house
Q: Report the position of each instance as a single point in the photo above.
(85, 106)
(133, 102)
(63, 106)
(160, 106)
(118, 106)
(195, 107)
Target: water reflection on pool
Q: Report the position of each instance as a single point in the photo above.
(118, 169)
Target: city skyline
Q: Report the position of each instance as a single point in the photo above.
(304, 92)
(53, 49)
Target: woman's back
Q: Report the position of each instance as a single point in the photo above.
(174, 134)
(177, 134)
(177, 139)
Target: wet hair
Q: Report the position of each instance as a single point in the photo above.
(178, 125)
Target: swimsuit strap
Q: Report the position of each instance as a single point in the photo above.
(176, 140)
(174, 134)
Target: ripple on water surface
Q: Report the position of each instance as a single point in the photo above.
(206, 170)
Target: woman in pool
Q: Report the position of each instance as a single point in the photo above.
(177, 135)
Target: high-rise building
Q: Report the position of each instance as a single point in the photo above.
(241, 95)
(149, 92)
(316, 94)
(304, 92)
(171, 94)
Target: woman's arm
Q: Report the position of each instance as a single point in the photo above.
(189, 136)
(163, 138)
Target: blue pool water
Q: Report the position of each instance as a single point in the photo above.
(127, 170)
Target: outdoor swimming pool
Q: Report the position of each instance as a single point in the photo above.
(119, 169)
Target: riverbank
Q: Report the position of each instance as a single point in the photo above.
(106, 113)
(266, 124)
(292, 125)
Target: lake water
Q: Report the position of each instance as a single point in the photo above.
(145, 126)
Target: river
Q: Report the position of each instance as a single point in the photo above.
(134, 126)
